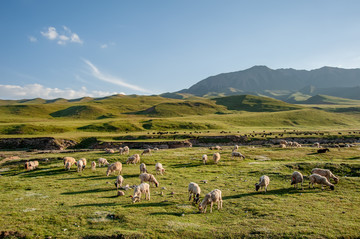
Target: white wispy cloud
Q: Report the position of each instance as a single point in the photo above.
(65, 35)
(32, 39)
(111, 79)
(103, 46)
(36, 90)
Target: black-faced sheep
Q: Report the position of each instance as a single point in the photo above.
(211, 197)
(143, 188)
(146, 177)
(321, 151)
(263, 182)
(296, 178)
(318, 179)
(326, 173)
(194, 190)
(117, 166)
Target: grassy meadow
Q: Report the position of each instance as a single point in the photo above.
(51, 202)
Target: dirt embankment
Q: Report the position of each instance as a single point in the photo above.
(42, 143)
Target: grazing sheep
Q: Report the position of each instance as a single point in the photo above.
(194, 190)
(217, 147)
(31, 165)
(237, 154)
(318, 179)
(143, 168)
(159, 168)
(283, 146)
(103, 162)
(156, 149)
(117, 166)
(146, 177)
(236, 147)
(143, 188)
(68, 166)
(216, 157)
(283, 142)
(146, 151)
(93, 165)
(84, 162)
(296, 178)
(296, 144)
(126, 150)
(263, 182)
(204, 158)
(119, 181)
(321, 151)
(326, 173)
(69, 160)
(316, 145)
(133, 159)
(121, 151)
(110, 151)
(211, 197)
(80, 165)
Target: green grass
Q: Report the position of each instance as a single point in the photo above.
(52, 202)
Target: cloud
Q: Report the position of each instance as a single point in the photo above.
(111, 79)
(36, 90)
(32, 39)
(62, 38)
(104, 46)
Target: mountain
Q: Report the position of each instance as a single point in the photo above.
(281, 84)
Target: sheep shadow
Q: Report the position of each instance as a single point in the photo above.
(152, 204)
(43, 172)
(270, 192)
(93, 177)
(186, 165)
(98, 190)
(108, 204)
(177, 214)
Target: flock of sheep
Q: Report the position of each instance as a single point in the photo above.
(318, 176)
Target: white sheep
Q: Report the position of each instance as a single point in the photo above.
(80, 165)
(326, 173)
(236, 147)
(283, 142)
(133, 159)
(121, 150)
(146, 151)
(296, 178)
(263, 182)
(159, 168)
(317, 145)
(31, 165)
(103, 162)
(216, 157)
(204, 158)
(68, 162)
(84, 162)
(211, 197)
(143, 168)
(119, 181)
(237, 154)
(146, 177)
(318, 179)
(194, 190)
(283, 146)
(117, 166)
(68, 166)
(93, 165)
(109, 151)
(126, 150)
(143, 188)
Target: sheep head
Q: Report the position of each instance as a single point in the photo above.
(257, 186)
(332, 187)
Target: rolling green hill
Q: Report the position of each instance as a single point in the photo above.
(326, 99)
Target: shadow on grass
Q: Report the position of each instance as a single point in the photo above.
(93, 177)
(108, 204)
(153, 204)
(98, 190)
(186, 165)
(115, 196)
(273, 192)
(178, 214)
(38, 172)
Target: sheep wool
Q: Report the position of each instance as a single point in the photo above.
(216, 157)
(113, 168)
(263, 183)
(211, 197)
(296, 178)
(143, 188)
(326, 173)
(318, 179)
(194, 190)
(146, 177)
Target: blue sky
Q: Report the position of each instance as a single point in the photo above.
(71, 49)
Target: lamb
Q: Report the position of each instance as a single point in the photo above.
(159, 168)
(93, 165)
(194, 190)
(103, 161)
(126, 150)
(31, 165)
(237, 154)
(121, 150)
(146, 177)
(318, 179)
(138, 190)
(80, 165)
(211, 197)
(217, 147)
(204, 158)
(146, 151)
(133, 159)
(117, 166)
(84, 162)
(119, 181)
(320, 151)
(68, 162)
(326, 173)
(216, 157)
(296, 178)
(143, 168)
(109, 151)
(263, 182)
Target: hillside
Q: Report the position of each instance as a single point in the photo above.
(325, 99)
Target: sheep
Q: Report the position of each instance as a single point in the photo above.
(211, 197)
(109, 151)
(146, 177)
(204, 158)
(126, 150)
(119, 181)
(102, 161)
(216, 157)
(217, 147)
(31, 165)
(159, 168)
(237, 154)
(236, 147)
(93, 165)
(138, 190)
(80, 165)
(263, 182)
(283, 146)
(283, 142)
(133, 159)
(318, 179)
(143, 168)
(121, 150)
(296, 144)
(296, 178)
(320, 151)
(326, 173)
(84, 162)
(117, 166)
(146, 151)
(194, 190)
(68, 162)
(316, 145)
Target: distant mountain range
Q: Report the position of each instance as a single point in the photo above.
(289, 85)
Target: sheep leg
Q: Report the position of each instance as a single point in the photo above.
(211, 206)
(189, 196)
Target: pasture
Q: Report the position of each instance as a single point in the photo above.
(51, 202)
